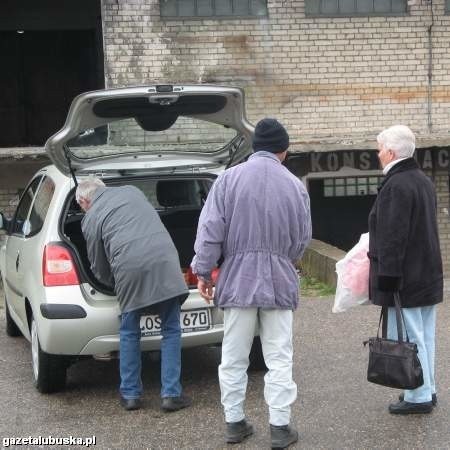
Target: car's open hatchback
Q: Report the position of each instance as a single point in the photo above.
(160, 127)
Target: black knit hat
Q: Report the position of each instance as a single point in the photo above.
(270, 136)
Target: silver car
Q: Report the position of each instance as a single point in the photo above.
(170, 142)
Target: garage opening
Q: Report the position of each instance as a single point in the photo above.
(340, 208)
(51, 52)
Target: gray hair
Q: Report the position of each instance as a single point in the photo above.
(87, 188)
(398, 138)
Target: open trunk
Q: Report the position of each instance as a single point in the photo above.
(178, 202)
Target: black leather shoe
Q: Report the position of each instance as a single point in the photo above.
(401, 397)
(238, 431)
(411, 408)
(282, 436)
(130, 404)
(170, 404)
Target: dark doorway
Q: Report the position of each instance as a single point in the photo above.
(42, 71)
(340, 208)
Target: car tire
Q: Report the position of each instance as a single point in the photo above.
(12, 330)
(256, 356)
(49, 371)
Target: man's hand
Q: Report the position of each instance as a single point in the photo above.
(206, 289)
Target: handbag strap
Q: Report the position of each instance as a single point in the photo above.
(400, 319)
(384, 316)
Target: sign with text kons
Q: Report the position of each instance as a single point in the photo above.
(316, 162)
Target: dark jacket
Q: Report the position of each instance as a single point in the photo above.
(404, 247)
(129, 248)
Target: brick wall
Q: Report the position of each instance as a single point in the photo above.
(333, 82)
(441, 181)
(335, 79)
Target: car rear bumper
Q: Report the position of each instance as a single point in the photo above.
(63, 331)
(109, 344)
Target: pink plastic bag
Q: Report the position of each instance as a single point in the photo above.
(353, 277)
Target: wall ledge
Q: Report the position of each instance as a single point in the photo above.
(319, 261)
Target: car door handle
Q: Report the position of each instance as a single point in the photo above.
(17, 261)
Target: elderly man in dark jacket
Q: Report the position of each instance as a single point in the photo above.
(405, 256)
(129, 248)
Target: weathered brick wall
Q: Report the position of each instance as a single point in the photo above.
(441, 182)
(330, 80)
(337, 79)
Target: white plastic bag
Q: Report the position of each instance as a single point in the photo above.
(353, 277)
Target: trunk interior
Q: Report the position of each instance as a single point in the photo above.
(178, 202)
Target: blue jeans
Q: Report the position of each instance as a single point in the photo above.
(421, 326)
(130, 351)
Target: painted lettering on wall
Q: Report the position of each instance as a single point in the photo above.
(304, 163)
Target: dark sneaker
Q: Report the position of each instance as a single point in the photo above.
(282, 436)
(401, 397)
(411, 408)
(131, 404)
(170, 404)
(238, 431)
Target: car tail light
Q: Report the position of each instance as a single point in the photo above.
(215, 275)
(192, 280)
(58, 267)
(190, 277)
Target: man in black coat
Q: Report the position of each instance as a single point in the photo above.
(405, 256)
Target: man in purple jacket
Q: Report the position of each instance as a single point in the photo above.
(257, 216)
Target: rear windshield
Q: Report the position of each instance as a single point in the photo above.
(164, 193)
(186, 134)
(170, 193)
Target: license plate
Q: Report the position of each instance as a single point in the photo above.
(192, 320)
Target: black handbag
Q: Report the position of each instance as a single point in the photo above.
(393, 363)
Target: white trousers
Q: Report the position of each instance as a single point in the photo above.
(275, 330)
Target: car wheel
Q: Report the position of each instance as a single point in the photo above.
(12, 329)
(256, 355)
(49, 371)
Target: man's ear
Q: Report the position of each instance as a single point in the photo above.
(84, 203)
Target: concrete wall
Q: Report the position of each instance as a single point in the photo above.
(319, 261)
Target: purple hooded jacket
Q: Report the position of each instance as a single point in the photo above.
(257, 216)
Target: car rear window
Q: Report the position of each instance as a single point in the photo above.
(173, 193)
(128, 136)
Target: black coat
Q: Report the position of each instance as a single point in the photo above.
(404, 247)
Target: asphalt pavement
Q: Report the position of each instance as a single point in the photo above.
(336, 407)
